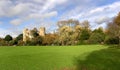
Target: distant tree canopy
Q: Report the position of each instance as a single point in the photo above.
(117, 19)
(19, 37)
(97, 36)
(8, 38)
(68, 31)
(71, 32)
(35, 32)
(113, 31)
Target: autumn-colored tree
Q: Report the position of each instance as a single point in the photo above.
(85, 24)
(49, 39)
(68, 31)
(85, 32)
(117, 22)
(113, 31)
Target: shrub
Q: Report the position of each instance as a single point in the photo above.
(96, 38)
(112, 40)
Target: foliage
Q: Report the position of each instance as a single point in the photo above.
(68, 32)
(49, 39)
(19, 37)
(35, 32)
(113, 30)
(8, 38)
(85, 34)
(112, 40)
(35, 41)
(97, 36)
(72, 32)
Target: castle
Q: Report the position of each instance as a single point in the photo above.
(28, 35)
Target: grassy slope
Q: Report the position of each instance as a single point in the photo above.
(43, 58)
(105, 59)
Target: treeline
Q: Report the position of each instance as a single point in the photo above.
(71, 32)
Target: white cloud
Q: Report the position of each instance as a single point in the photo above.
(16, 21)
(106, 9)
(42, 16)
(13, 33)
(51, 4)
(19, 9)
(24, 10)
(102, 19)
(93, 13)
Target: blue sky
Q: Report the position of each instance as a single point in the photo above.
(15, 15)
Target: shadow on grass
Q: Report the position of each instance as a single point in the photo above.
(106, 59)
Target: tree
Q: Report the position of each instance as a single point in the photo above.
(85, 34)
(8, 38)
(68, 31)
(35, 41)
(117, 22)
(85, 24)
(3, 42)
(65, 32)
(113, 29)
(35, 32)
(19, 37)
(49, 39)
(20, 43)
(97, 36)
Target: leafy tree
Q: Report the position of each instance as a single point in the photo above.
(85, 24)
(50, 39)
(111, 40)
(8, 38)
(20, 43)
(13, 42)
(3, 42)
(35, 41)
(35, 32)
(117, 22)
(97, 37)
(113, 30)
(68, 31)
(19, 37)
(85, 34)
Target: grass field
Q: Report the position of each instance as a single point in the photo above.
(90, 57)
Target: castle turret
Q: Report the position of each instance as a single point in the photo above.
(25, 35)
(42, 31)
(29, 35)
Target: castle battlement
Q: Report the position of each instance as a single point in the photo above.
(28, 35)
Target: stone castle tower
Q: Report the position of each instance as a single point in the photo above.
(27, 34)
(42, 31)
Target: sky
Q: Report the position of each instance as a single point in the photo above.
(16, 15)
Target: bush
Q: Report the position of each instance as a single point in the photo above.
(96, 38)
(35, 41)
(112, 40)
(13, 42)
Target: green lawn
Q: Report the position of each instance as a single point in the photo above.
(55, 58)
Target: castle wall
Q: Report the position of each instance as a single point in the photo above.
(27, 34)
(42, 31)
